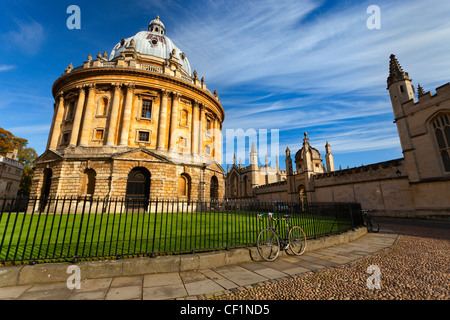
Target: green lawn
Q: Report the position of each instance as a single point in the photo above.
(49, 236)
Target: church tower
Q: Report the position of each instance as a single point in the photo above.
(401, 91)
(399, 85)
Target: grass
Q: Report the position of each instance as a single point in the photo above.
(63, 236)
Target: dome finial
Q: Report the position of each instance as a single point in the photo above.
(157, 17)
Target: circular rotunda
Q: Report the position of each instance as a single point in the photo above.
(136, 123)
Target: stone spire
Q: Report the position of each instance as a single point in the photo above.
(396, 72)
(420, 90)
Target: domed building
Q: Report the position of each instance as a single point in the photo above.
(136, 123)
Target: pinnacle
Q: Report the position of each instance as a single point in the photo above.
(396, 72)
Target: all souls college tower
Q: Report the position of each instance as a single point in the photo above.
(137, 123)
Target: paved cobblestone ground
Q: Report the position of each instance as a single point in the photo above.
(415, 268)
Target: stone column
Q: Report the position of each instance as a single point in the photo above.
(162, 121)
(86, 132)
(174, 122)
(217, 139)
(127, 116)
(202, 128)
(59, 114)
(195, 128)
(113, 116)
(77, 119)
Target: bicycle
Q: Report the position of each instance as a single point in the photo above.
(371, 223)
(269, 242)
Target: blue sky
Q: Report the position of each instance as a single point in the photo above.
(286, 65)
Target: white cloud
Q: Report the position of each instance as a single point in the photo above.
(4, 68)
(297, 66)
(28, 37)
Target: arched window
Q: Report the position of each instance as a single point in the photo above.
(184, 186)
(214, 189)
(234, 186)
(245, 187)
(88, 183)
(441, 126)
(102, 107)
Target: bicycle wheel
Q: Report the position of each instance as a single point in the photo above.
(297, 240)
(268, 245)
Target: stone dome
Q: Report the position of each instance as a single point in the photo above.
(153, 42)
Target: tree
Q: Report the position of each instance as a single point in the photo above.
(9, 142)
(26, 156)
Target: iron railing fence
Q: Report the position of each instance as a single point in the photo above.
(68, 229)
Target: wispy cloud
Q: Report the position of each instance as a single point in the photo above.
(4, 68)
(27, 36)
(304, 66)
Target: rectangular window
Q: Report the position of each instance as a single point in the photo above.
(146, 109)
(144, 136)
(70, 108)
(208, 150)
(65, 138)
(182, 144)
(99, 134)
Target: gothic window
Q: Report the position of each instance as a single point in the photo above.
(245, 186)
(234, 186)
(441, 126)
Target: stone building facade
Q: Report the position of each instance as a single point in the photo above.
(11, 172)
(417, 185)
(137, 123)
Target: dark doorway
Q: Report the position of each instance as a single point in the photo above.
(138, 188)
(214, 189)
(45, 190)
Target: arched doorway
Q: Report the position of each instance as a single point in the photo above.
(184, 187)
(214, 188)
(138, 188)
(45, 190)
(87, 188)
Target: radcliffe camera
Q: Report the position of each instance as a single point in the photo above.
(272, 153)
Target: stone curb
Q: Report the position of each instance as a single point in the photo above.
(57, 272)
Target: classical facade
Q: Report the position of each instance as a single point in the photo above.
(11, 172)
(137, 123)
(417, 185)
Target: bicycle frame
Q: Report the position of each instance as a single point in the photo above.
(276, 227)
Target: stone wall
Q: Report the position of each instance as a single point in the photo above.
(382, 187)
